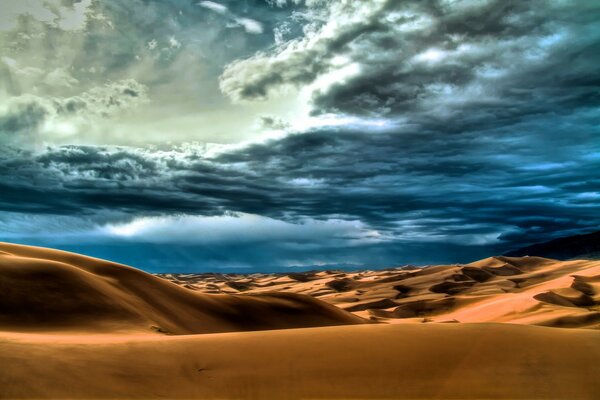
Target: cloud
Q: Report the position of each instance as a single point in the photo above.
(27, 119)
(33, 80)
(272, 122)
(496, 188)
(60, 77)
(35, 9)
(49, 12)
(241, 228)
(428, 63)
(250, 25)
(23, 117)
(131, 39)
(216, 7)
(74, 18)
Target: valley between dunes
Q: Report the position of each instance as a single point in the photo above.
(77, 327)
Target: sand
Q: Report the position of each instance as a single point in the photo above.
(523, 290)
(77, 327)
(43, 289)
(359, 362)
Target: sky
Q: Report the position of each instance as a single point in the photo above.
(263, 135)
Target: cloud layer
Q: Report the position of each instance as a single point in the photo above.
(413, 131)
(492, 190)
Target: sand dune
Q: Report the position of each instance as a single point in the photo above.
(525, 290)
(78, 327)
(346, 362)
(43, 289)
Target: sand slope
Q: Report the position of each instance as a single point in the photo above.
(43, 289)
(525, 290)
(349, 362)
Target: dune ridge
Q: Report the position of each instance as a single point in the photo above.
(44, 289)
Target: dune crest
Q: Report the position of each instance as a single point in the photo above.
(44, 289)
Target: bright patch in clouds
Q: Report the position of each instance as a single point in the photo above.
(242, 228)
(216, 7)
(432, 55)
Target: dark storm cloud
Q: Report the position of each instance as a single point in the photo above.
(472, 188)
(470, 63)
(22, 120)
(475, 182)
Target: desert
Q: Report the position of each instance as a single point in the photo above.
(79, 327)
(299, 199)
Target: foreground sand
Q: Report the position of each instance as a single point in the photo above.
(78, 327)
(367, 362)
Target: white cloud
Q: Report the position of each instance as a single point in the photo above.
(60, 77)
(10, 62)
(431, 55)
(308, 182)
(240, 228)
(250, 25)
(174, 43)
(216, 7)
(302, 60)
(74, 18)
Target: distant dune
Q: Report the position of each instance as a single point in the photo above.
(527, 290)
(78, 327)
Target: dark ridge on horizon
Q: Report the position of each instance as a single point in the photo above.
(578, 246)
